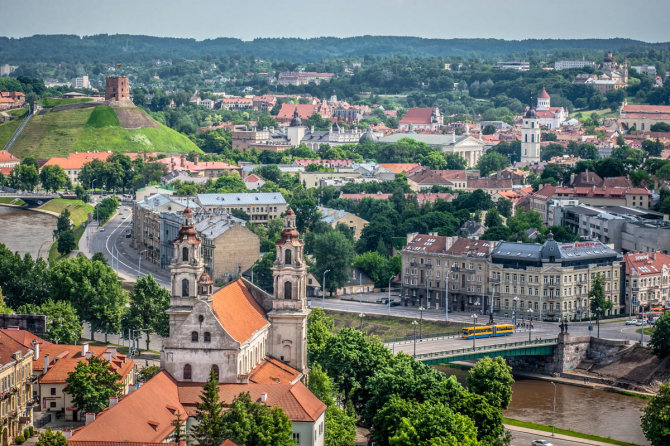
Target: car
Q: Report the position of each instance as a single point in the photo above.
(382, 300)
(124, 217)
(102, 229)
(395, 303)
(639, 323)
(540, 443)
(630, 322)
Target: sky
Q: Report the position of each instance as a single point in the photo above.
(248, 19)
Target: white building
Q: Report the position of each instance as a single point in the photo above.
(80, 82)
(548, 116)
(569, 64)
(530, 137)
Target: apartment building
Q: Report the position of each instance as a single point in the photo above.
(260, 207)
(647, 281)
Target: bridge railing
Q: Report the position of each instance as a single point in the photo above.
(485, 348)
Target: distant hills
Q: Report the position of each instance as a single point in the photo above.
(98, 128)
(135, 48)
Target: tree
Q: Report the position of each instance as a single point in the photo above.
(492, 378)
(333, 251)
(63, 324)
(66, 242)
(375, 266)
(27, 176)
(269, 173)
(99, 257)
(455, 161)
(148, 372)
(493, 218)
(209, 431)
(599, 305)
(229, 184)
(489, 129)
(491, 162)
(53, 178)
(248, 423)
(148, 302)
(91, 384)
(63, 223)
(504, 207)
(50, 438)
(656, 418)
(660, 127)
(319, 326)
(653, 148)
(340, 427)
(660, 338)
(496, 233)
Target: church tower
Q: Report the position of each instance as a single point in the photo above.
(288, 317)
(189, 279)
(543, 100)
(530, 137)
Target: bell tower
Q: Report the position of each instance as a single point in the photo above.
(189, 279)
(288, 317)
(530, 137)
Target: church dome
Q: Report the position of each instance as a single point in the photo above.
(543, 95)
(531, 113)
(367, 136)
(296, 121)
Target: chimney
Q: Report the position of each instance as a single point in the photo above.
(108, 356)
(36, 350)
(196, 159)
(182, 160)
(113, 350)
(264, 397)
(88, 355)
(67, 433)
(90, 417)
(46, 363)
(113, 401)
(84, 348)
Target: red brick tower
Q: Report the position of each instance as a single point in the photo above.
(117, 88)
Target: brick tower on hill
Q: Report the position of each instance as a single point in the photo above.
(117, 89)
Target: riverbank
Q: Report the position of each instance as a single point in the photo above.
(561, 434)
(26, 232)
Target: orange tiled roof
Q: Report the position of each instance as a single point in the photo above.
(272, 371)
(238, 312)
(8, 347)
(77, 160)
(6, 157)
(400, 167)
(24, 337)
(156, 401)
(417, 116)
(646, 263)
(64, 358)
(304, 111)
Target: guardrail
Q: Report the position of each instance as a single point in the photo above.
(487, 348)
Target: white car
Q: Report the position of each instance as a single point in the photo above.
(630, 322)
(540, 443)
(124, 217)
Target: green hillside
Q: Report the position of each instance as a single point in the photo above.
(93, 129)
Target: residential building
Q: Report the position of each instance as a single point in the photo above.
(466, 271)
(208, 169)
(316, 179)
(334, 217)
(253, 182)
(357, 283)
(427, 178)
(228, 247)
(649, 70)
(513, 65)
(8, 162)
(570, 64)
(80, 82)
(254, 342)
(642, 117)
(302, 77)
(421, 198)
(647, 281)
(260, 207)
(421, 119)
(74, 162)
(16, 386)
(467, 147)
(11, 99)
(553, 280)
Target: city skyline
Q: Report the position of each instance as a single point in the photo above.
(207, 19)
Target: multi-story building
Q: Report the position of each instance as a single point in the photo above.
(16, 386)
(513, 65)
(424, 119)
(334, 217)
(553, 280)
(467, 268)
(647, 281)
(570, 64)
(260, 207)
(80, 82)
(642, 117)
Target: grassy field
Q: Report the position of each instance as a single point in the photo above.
(18, 112)
(7, 129)
(58, 133)
(14, 201)
(52, 102)
(78, 209)
(389, 327)
(102, 116)
(545, 428)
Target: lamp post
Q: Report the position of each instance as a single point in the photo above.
(323, 290)
(474, 332)
(553, 416)
(598, 310)
(516, 298)
(414, 323)
(580, 303)
(421, 323)
(139, 263)
(361, 316)
(446, 295)
(360, 287)
(530, 323)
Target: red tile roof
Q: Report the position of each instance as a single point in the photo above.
(470, 248)
(646, 263)
(401, 167)
(6, 157)
(175, 163)
(8, 346)
(77, 160)
(272, 371)
(64, 358)
(304, 111)
(417, 116)
(637, 111)
(24, 337)
(238, 312)
(427, 243)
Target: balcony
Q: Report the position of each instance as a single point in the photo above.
(455, 268)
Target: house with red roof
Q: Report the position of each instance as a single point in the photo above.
(207, 169)
(647, 280)
(12, 99)
(16, 386)
(253, 182)
(8, 162)
(421, 119)
(288, 110)
(252, 341)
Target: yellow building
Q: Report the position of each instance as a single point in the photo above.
(16, 387)
(333, 217)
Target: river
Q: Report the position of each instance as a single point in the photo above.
(25, 231)
(596, 412)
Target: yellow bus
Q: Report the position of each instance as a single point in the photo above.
(485, 331)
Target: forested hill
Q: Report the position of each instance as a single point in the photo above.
(133, 48)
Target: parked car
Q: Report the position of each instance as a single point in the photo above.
(102, 229)
(630, 322)
(395, 303)
(540, 443)
(639, 323)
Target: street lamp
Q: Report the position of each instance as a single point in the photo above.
(598, 310)
(530, 323)
(361, 315)
(516, 298)
(139, 263)
(414, 323)
(553, 417)
(474, 331)
(323, 291)
(580, 303)
(421, 323)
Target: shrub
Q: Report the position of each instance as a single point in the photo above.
(26, 433)
(31, 430)
(19, 439)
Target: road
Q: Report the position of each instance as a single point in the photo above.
(525, 438)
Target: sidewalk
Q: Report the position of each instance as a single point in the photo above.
(557, 436)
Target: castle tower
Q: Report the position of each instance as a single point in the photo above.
(530, 137)
(288, 317)
(117, 88)
(543, 100)
(187, 272)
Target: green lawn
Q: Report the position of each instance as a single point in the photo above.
(14, 201)
(102, 116)
(52, 102)
(59, 133)
(78, 209)
(545, 428)
(390, 327)
(7, 129)
(18, 112)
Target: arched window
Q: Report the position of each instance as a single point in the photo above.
(215, 368)
(207, 337)
(184, 254)
(184, 288)
(187, 372)
(194, 336)
(287, 290)
(287, 257)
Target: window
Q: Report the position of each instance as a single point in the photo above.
(52, 404)
(187, 371)
(53, 390)
(288, 290)
(184, 254)
(296, 437)
(194, 336)
(207, 337)
(287, 257)
(184, 288)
